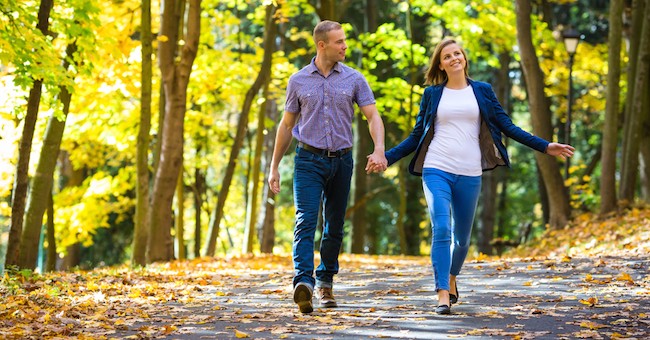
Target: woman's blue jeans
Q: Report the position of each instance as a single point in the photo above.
(452, 201)
(318, 178)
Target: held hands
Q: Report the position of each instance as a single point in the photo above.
(560, 150)
(376, 162)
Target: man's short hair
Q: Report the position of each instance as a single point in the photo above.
(320, 31)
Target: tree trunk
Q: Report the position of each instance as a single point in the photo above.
(489, 201)
(69, 177)
(142, 162)
(50, 264)
(401, 209)
(645, 147)
(180, 212)
(645, 144)
(175, 75)
(42, 182)
(252, 208)
(198, 191)
(331, 9)
(634, 121)
(270, 33)
(21, 179)
(242, 125)
(610, 125)
(559, 207)
(362, 149)
(359, 219)
(414, 213)
(266, 222)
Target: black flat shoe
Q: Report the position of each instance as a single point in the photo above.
(454, 298)
(443, 309)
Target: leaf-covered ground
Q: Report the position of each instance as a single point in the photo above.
(589, 281)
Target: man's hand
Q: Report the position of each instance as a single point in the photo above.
(376, 162)
(274, 181)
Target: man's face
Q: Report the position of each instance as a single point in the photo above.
(335, 47)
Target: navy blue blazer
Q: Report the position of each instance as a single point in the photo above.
(494, 122)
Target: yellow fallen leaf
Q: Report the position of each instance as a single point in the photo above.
(625, 277)
(592, 325)
(241, 335)
(592, 301)
(528, 283)
(169, 329)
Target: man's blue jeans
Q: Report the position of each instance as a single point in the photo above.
(317, 179)
(449, 196)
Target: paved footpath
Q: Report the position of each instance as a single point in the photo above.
(569, 298)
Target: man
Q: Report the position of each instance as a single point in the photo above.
(319, 110)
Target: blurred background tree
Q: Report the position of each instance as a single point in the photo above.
(389, 41)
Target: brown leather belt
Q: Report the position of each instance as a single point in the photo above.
(322, 152)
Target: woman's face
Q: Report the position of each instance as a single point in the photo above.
(452, 60)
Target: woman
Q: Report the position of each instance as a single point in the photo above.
(457, 136)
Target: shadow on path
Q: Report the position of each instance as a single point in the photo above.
(596, 298)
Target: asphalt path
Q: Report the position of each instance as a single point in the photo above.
(551, 298)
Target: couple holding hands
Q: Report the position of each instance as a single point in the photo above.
(457, 136)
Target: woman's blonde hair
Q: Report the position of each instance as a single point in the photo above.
(434, 74)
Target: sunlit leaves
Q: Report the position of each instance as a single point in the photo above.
(588, 234)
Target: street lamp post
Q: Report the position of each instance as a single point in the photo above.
(571, 39)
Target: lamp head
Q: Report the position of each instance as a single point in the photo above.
(571, 39)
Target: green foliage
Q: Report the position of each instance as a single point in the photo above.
(100, 136)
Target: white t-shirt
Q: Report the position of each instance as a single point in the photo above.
(455, 145)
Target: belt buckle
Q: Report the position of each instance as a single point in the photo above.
(332, 154)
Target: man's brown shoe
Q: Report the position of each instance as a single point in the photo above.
(302, 294)
(325, 297)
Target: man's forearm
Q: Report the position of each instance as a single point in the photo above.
(376, 127)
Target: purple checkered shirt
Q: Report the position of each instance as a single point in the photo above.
(326, 104)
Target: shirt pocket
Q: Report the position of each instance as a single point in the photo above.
(344, 97)
(309, 99)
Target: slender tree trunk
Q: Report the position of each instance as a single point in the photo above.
(610, 126)
(265, 73)
(359, 218)
(270, 33)
(50, 264)
(414, 213)
(502, 206)
(331, 9)
(633, 40)
(180, 213)
(489, 201)
(630, 165)
(69, 177)
(645, 146)
(43, 178)
(560, 209)
(266, 222)
(142, 160)
(252, 209)
(198, 191)
(401, 209)
(21, 179)
(175, 72)
(362, 149)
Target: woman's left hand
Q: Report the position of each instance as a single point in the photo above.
(560, 150)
